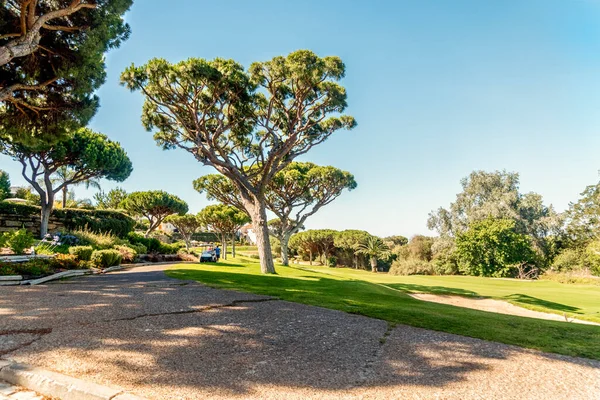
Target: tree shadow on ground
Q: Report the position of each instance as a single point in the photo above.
(410, 287)
(534, 301)
(181, 339)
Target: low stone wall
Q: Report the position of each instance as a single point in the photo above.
(11, 222)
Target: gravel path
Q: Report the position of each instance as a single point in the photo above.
(168, 339)
(492, 305)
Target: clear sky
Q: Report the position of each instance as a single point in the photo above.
(439, 88)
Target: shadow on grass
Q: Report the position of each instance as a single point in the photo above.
(534, 301)
(410, 287)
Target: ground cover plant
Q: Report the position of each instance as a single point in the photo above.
(351, 291)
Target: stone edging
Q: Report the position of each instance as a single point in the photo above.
(16, 280)
(57, 385)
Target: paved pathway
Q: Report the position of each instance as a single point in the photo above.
(170, 339)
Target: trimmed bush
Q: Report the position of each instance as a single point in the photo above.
(102, 221)
(83, 253)
(411, 266)
(139, 248)
(166, 248)
(152, 244)
(128, 254)
(106, 258)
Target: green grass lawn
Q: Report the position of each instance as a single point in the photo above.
(365, 293)
(579, 301)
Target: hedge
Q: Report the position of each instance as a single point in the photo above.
(103, 221)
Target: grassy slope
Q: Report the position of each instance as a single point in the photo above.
(580, 301)
(366, 298)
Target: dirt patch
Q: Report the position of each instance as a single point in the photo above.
(491, 305)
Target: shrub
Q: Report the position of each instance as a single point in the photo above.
(3, 239)
(411, 266)
(139, 248)
(152, 244)
(445, 264)
(332, 261)
(581, 277)
(65, 261)
(173, 248)
(128, 254)
(99, 241)
(19, 240)
(34, 267)
(104, 221)
(106, 258)
(568, 260)
(83, 253)
(187, 255)
(7, 269)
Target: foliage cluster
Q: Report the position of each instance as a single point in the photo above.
(83, 253)
(17, 241)
(106, 258)
(103, 221)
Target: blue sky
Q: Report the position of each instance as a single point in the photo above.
(439, 88)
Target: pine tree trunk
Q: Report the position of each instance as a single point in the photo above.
(258, 214)
(310, 255)
(45, 214)
(233, 245)
(224, 246)
(285, 240)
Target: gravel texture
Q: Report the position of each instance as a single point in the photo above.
(169, 339)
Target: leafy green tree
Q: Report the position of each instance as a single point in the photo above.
(583, 217)
(496, 195)
(306, 243)
(298, 192)
(225, 220)
(111, 200)
(493, 247)
(313, 242)
(293, 195)
(397, 240)
(375, 249)
(154, 205)
(248, 125)
(4, 185)
(348, 241)
(52, 61)
(186, 225)
(89, 154)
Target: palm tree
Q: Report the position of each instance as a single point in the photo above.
(64, 174)
(375, 249)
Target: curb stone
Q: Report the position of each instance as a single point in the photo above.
(57, 385)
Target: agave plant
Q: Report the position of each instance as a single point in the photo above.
(375, 249)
